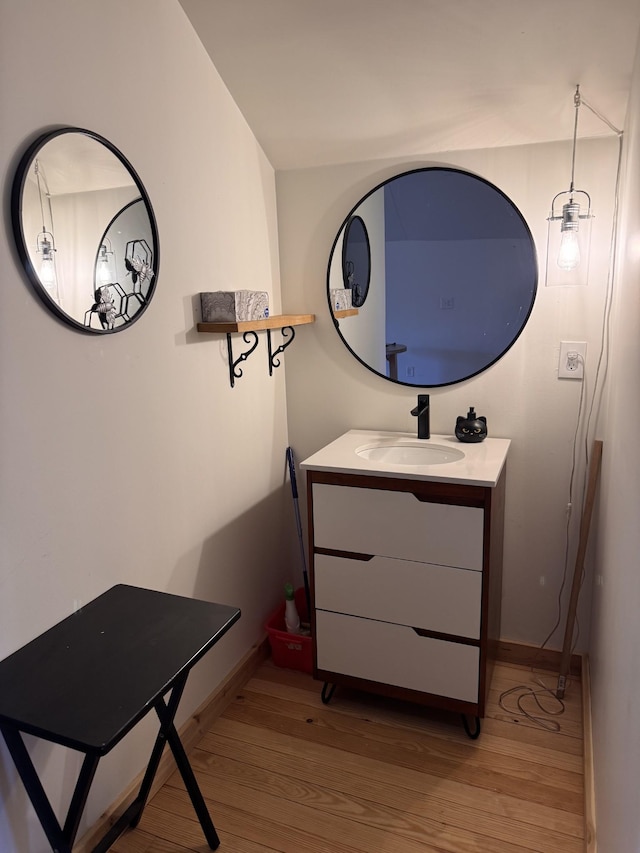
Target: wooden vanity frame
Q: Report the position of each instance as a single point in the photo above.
(491, 499)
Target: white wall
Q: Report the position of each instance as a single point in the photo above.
(616, 599)
(169, 507)
(128, 458)
(521, 395)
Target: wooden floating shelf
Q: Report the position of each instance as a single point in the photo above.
(345, 312)
(278, 321)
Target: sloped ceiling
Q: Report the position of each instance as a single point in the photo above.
(336, 81)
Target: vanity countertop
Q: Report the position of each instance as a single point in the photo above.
(480, 466)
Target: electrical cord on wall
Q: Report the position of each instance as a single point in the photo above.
(522, 692)
(605, 338)
(570, 503)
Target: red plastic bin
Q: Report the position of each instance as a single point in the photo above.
(290, 650)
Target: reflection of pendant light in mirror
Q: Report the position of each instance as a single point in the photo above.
(47, 270)
(45, 244)
(104, 275)
(568, 247)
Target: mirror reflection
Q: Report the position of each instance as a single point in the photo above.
(85, 230)
(356, 261)
(453, 277)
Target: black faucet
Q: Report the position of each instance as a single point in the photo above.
(421, 411)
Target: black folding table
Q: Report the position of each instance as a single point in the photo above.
(86, 682)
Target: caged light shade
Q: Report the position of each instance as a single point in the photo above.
(569, 227)
(569, 239)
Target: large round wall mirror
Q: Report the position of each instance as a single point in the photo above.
(85, 230)
(453, 277)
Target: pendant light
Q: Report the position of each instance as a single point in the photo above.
(568, 243)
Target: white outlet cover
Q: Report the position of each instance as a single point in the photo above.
(566, 368)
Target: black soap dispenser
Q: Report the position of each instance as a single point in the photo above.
(472, 428)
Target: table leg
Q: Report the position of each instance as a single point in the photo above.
(60, 839)
(158, 748)
(79, 799)
(166, 714)
(191, 784)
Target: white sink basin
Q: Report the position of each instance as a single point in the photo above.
(439, 459)
(409, 453)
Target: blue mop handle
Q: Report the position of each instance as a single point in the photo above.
(292, 473)
(294, 490)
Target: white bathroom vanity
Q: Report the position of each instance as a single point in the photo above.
(405, 538)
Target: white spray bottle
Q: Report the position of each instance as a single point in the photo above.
(291, 616)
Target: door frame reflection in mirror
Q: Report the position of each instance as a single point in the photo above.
(72, 181)
(485, 274)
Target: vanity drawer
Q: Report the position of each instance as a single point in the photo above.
(420, 595)
(395, 654)
(397, 524)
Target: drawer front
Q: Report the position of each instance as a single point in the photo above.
(395, 654)
(397, 524)
(420, 595)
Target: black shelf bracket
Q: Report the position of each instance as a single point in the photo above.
(274, 361)
(249, 330)
(235, 372)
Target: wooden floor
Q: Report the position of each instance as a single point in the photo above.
(280, 771)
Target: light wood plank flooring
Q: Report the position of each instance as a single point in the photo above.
(280, 771)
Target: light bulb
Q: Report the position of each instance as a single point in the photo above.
(47, 270)
(104, 274)
(47, 273)
(569, 254)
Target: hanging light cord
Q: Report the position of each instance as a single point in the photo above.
(576, 101)
(39, 173)
(579, 101)
(599, 115)
(38, 170)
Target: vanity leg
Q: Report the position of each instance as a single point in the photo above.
(327, 692)
(476, 731)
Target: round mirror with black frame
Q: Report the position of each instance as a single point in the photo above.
(356, 260)
(85, 230)
(453, 277)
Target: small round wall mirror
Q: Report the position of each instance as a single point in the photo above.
(452, 277)
(356, 260)
(85, 230)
